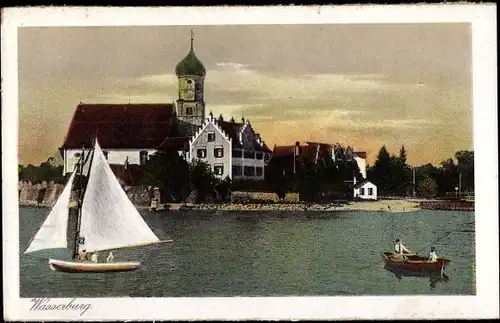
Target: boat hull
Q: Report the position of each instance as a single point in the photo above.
(87, 267)
(415, 263)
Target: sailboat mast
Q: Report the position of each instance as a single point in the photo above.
(80, 199)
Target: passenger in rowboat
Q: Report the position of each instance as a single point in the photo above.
(94, 258)
(401, 250)
(433, 256)
(110, 257)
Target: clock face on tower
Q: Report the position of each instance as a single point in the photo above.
(186, 89)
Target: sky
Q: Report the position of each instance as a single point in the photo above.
(362, 86)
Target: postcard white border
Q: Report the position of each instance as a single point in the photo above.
(483, 305)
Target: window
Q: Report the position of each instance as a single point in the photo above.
(218, 170)
(143, 157)
(362, 191)
(202, 152)
(218, 152)
(189, 111)
(370, 191)
(249, 171)
(259, 155)
(189, 81)
(249, 154)
(237, 153)
(211, 136)
(236, 170)
(258, 171)
(77, 154)
(106, 153)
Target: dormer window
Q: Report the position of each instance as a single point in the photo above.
(211, 136)
(143, 157)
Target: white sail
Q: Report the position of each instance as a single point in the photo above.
(53, 232)
(109, 220)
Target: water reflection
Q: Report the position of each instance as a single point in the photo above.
(432, 276)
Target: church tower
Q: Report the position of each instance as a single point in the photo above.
(190, 104)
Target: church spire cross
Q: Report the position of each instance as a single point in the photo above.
(192, 37)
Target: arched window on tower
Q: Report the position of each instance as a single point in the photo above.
(143, 157)
(189, 111)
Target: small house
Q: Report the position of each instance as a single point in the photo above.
(365, 190)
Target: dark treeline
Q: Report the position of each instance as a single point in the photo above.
(394, 177)
(46, 171)
(179, 180)
(326, 178)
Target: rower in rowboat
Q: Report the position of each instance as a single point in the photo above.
(401, 251)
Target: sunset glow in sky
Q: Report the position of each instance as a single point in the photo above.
(359, 85)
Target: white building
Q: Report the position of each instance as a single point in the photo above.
(232, 149)
(365, 190)
(130, 133)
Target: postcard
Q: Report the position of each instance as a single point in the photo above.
(238, 163)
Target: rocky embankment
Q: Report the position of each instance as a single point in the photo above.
(45, 194)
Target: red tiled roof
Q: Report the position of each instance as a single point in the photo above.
(121, 125)
(279, 151)
(360, 154)
(177, 143)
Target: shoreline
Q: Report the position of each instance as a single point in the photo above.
(379, 206)
(395, 206)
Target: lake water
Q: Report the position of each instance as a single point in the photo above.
(268, 254)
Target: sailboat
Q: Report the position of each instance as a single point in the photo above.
(106, 220)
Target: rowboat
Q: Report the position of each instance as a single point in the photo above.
(415, 263)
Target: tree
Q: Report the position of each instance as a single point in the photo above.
(202, 179)
(465, 167)
(277, 179)
(169, 172)
(382, 171)
(427, 187)
(223, 189)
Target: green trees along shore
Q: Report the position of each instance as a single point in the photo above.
(394, 177)
(315, 181)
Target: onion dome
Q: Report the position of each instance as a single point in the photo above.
(190, 65)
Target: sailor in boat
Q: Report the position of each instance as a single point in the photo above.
(401, 250)
(82, 255)
(94, 258)
(110, 257)
(433, 256)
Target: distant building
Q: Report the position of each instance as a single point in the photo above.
(365, 190)
(289, 156)
(130, 133)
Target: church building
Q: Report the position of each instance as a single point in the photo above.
(130, 133)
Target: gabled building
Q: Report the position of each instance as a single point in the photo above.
(365, 190)
(130, 133)
(233, 148)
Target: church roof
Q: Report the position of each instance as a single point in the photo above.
(190, 65)
(128, 126)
